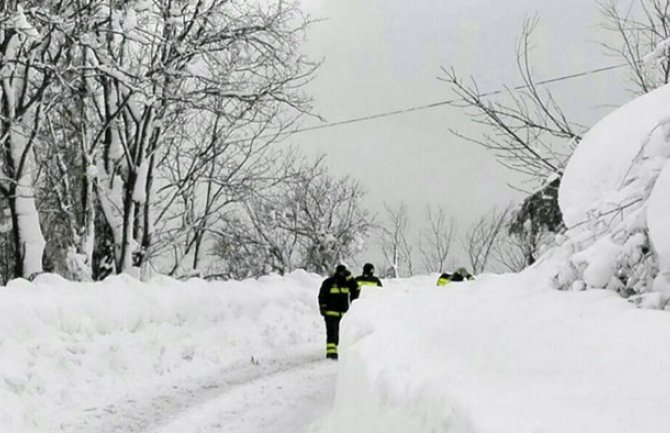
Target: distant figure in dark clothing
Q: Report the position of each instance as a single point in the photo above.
(460, 274)
(367, 279)
(334, 300)
(444, 279)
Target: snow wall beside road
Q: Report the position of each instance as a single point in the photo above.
(501, 354)
(66, 346)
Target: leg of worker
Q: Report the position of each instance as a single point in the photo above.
(332, 336)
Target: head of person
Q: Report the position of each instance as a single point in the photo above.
(368, 269)
(464, 272)
(341, 270)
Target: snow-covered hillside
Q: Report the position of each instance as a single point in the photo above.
(68, 348)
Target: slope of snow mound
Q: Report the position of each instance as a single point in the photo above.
(504, 354)
(602, 161)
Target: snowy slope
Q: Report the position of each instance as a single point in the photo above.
(501, 355)
(67, 348)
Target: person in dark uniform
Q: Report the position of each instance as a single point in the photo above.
(461, 274)
(367, 279)
(444, 279)
(334, 300)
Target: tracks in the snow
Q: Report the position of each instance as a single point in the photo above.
(231, 387)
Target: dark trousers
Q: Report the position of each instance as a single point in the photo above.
(332, 335)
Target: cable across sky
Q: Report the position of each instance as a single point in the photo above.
(441, 103)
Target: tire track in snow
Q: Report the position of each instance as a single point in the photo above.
(246, 398)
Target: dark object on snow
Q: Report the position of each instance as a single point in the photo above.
(444, 279)
(366, 279)
(334, 300)
(461, 274)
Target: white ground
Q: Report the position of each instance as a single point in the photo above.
(279, 396)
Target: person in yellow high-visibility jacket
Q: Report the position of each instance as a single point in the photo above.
(367, 279)
(334, 301)
(461, 274)
(444, 279)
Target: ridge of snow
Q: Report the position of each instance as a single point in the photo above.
(502, 354)
(66, 346)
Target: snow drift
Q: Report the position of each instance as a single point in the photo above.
(501, 355)
(614, 199)
(66, 347)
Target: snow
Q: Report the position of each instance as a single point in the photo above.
(658, 215)
(67, 347)
(500, 354)
(22, 25)
(497, 354)
(613, 197)
(139, 190)
(603, 159)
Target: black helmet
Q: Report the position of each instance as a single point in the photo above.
(368, 269)
(340, 269)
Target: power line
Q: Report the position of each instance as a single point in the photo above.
(439, 103)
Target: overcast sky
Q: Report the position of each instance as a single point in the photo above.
(384, 55)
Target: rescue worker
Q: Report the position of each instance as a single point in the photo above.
(461, 274)
(366, 279)
(334, 300)
(444, 279)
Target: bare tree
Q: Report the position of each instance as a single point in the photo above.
(135, 77)
(510, 254)
(29, 45)
(481, 240)
(436, 241)
(395, 246)
(206, 172)
(311, 220)
(640, 28)
(528, 133)
(333, 222)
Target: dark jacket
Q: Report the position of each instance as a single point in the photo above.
(363, 281)
(335, 295)
(445, 279)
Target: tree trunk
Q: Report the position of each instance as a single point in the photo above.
(28, 238)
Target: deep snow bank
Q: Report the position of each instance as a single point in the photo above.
(501, 355)
(602, 162)
(66, 347)
(614, 197)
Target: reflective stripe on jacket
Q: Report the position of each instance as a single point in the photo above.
(444, 280)
(335, 294)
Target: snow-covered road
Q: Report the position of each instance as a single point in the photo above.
(278, 396)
